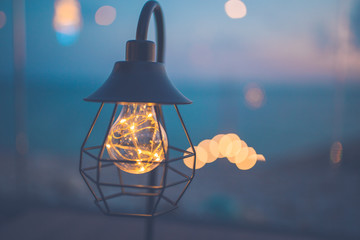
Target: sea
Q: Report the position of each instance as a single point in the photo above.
(290, 119)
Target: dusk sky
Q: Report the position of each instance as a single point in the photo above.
(278, 40)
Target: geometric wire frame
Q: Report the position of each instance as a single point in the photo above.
(153, 193)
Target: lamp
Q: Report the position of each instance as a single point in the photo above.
(136, 144)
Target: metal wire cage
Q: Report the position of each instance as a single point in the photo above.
(109, 184)
(98, 165)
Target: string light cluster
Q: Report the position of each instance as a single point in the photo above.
(135, 139)
(228, 146)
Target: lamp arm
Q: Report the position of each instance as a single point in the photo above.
(149, 8)
(143, 25)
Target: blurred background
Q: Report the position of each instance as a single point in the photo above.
(282, 75)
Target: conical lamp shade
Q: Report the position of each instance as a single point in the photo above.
(138, 81)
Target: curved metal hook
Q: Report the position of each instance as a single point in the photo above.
(143, 25)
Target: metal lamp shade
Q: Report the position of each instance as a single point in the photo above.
(138, 81)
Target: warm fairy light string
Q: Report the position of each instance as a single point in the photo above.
(228, 146)
(135, 136)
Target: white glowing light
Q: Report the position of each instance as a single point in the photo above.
(201, 156)
(242, 155)
(261, 158)
(225, 145)
(235, 9)
(212, 149)
(217, 139)
(105, 15)
(230, 145)
(249, 162)
(2, 19)
(235, 146)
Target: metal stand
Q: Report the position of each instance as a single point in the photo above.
(141, 34)
(149, 224)
(19, 47)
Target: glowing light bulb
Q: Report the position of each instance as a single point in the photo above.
(135, 137)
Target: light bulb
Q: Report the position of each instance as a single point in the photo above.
(135, 137)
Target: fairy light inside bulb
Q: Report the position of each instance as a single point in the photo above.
(135, 137)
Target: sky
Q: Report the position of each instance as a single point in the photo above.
(277, 41)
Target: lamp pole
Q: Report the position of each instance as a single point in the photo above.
(152, 7)
(19, 52)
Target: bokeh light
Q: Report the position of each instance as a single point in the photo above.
(225, 145)
(261, 158)
(2, 19)
(242, 155)
(67, 21)
(217, 139)
(228, 146)
(336, 152)
(254, 96)
(235, 9)
(201, 156)
(212, 149)
(250, 161)
(105, 15)
(235, 146)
